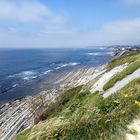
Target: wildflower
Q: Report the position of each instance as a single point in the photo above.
(126, 95)
(137, 103)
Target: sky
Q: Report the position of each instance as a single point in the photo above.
(69, 23)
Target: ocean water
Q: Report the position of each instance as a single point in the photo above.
(26, 72)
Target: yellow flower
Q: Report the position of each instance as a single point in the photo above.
(126, 95)
(137, 103)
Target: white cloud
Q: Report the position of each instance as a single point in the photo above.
(116, 32)
(26, 11)
(119, 32)
(54, 29)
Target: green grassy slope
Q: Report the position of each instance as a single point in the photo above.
(88, 116)
(123, 59)
(119, 76)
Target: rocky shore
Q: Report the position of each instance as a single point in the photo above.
(16, 116)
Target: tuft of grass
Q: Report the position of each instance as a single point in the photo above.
(133, 131)
(89, 116)
(24, 135)
(119, 76)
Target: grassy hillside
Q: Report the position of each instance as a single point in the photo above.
(119, 76)
(134, 63)
(123, 59)
(87, 116)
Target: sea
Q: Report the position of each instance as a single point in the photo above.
(25, 72)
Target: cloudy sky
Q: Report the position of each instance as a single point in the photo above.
(68, 23)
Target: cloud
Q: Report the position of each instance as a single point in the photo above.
(26, 11)
(116, 32)
(112, 33)
(119, 32)
(27, 22)
(34, 24)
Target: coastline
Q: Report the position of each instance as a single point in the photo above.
(19, 115)
(88, 102)
(16, 116)
(31, 77)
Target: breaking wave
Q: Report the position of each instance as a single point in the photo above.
(67, 65)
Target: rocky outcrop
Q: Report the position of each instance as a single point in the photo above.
(120, 51)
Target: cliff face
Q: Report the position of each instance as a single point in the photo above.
(101, 103)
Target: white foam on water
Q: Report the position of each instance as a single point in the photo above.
(67, 65)
(48, 71)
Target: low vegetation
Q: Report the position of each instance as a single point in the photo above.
(123, 59)
(86, 116)
(119, 76)
(42, 109)
(24, 135)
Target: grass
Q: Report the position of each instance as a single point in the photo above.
(89, 116)
(133, 131)
(62, 100)
(24, 135)
(52, 108)
(123, 59)
(119, 76)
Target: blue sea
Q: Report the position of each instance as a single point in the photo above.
(26, 72)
